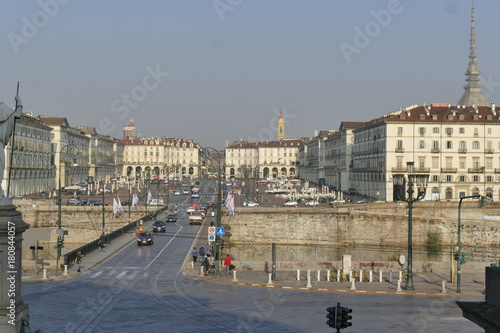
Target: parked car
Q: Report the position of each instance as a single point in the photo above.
(159, 226)
(361, 201)
(145, 238)
(84, 202)
(312, 203)
(127, 203)
(250, 204)
(290, 203)
(73, 202)
(97, 203)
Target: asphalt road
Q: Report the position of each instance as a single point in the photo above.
(143, 289)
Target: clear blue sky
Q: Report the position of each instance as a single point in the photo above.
(223, 66)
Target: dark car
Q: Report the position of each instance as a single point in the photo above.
(97, 203)
(159, 226)
(127, 203)
(84, 202)
(172, 217)
(145, 238)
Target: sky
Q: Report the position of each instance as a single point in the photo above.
(222, 70)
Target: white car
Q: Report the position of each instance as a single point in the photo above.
(312, 203)
(290, 203)
(250, 204)
(177, 192)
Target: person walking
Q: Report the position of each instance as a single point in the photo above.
(206, 265)
(227, 263)
(78, 261)
(201, 252)
(101, 242)
(195, 255)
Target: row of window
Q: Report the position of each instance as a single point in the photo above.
(462, 145)
(447, 130)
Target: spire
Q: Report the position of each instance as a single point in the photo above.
(472, 94)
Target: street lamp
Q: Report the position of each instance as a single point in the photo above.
(459, 272)
(60, 234)
(421, 181)
(206, 153)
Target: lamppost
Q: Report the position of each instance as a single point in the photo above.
(60, 233)
(459, 253)
(421, 180)
(206, 153)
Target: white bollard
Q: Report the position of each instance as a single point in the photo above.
(270, 281)
(380, 276)
(401, 275)
(318, 276)
(371, 276)
(360, 275)
(192, 264)
(350, 275)
(308, 279)
(234, 276)
(399, 286)
(298, 274)
(65, 270)
(338, 274)
(201, 271)
(44, 274)
(443, 290)
(353, 284)
(327, 275)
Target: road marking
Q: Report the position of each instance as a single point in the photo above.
(121, 274)
(96, 275)
(132, 275)
(164, 247)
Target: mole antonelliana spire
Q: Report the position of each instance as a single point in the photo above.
(472, 94)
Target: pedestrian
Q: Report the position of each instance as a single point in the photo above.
(201, 252)
(227, 263)
(78, 261)
(206, 265)
(195, 255)
(101, 242)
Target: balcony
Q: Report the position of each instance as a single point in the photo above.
(399, 150)
(476, 170)
(422, 170)
(399, 170)
(448, 170)
(497, 170)
(462, 150)
(489, 151)
(435, 150)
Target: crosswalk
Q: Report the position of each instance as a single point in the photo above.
(126, 273)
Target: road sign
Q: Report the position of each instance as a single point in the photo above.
(211, 238)
(220, 231)
(211, 230)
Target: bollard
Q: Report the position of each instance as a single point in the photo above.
(353, 284)
(192, 264)
(380, 276)
(390, 276)
(44, 274)
(234, 276)
(338, 274)
(401, 275)
(270, 281)
(298, 274)
(399, 286)
(443, 290)
(350, 275)
(327, 275)
(201, 271)
(65, 270)
(308, 279)
(371, 276)
(318, 276)
(360, 275)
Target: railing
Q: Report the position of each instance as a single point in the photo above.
(462, 150)
(489, 151)
(476, 170)
(435, 150)
(399, 150)
(399, 170)
(448, 170)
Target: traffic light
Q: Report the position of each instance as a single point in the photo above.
(221, 244)
(463, 258)
(60, 242)
(343, 317)
(332, 316)
(456, 256)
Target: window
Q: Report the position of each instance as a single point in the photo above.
(400, 144)
(489, 163)
(399, 162)
(449, 145)
(400, 130)
(488, 130)
(449, 130)
(461, 130)
(421, 144)
(435, 178)
(449, 162)
(475, 178)
(475, 145)
(435, 130)
(461, 146)
(448, 178)
(435, 145)
(421, 162)
(461, 162)
(461, 179)
(489, 179)
(421, 130)
(435, 162)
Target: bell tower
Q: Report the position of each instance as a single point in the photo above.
(281, 127)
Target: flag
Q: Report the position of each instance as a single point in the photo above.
(149, 196)
(115, 207)
(135, 200)
(230, 203)
(120, 207)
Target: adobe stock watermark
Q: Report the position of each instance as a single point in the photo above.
(31, 26)
(364, 36)
(263, 310)
(269, 133)
(124, 105)
(489, 85)
(223, 6)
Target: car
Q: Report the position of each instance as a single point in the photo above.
(312, 203)
(290, 203)
(204, 206)
(159, 226)
(250, 204)
(361, 201)
(73, 202)
(127, 203)
(145, 238)
(171, 217)
(84, 202)
(177, 192)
